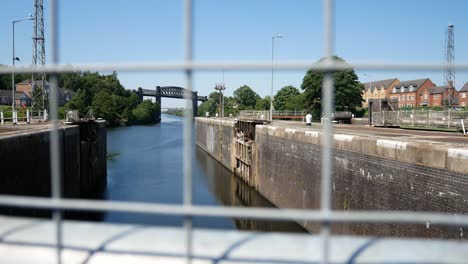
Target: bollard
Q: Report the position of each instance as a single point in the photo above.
(28, 118)
(1, 117)
(45, 115)
(15, 117)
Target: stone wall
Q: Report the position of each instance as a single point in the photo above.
(25, 161)
(216, 137)
(368, 174)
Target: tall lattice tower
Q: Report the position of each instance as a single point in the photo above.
(449, 63)
(38, 80)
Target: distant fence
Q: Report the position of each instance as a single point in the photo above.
(22, 116)
(254, 115)
(429, 118)
(265, 115)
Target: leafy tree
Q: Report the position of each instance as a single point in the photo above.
(210, 106)
(263, 103)
(296, 103)
(347, 88)
(104, 107)
(147, 113)
(245, 97)
(81, 101)
(283, 96)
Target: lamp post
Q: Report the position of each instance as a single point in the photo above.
(272, 70)
(13, 67)
(221, 88)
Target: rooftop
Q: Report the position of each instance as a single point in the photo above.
(385, 83)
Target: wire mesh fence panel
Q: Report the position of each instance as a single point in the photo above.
(377, 119)
(254, 115)
(324, 215)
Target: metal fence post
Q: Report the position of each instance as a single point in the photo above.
(383, 118)
(398, 118)
(448, 119)
(429, 116)
(14, 117)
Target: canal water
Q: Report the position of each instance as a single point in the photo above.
(146, 166)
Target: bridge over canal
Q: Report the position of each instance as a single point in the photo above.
(173, 92)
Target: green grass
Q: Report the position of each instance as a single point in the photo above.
(441, 129)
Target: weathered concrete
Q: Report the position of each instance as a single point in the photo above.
(216, 136)
(25, 160)
(24, 240)
(370, 173)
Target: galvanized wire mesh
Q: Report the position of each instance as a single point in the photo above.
(325, 215)
(420, 118)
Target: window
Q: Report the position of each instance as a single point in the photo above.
(436, 96)
(463, 95)
(425, 96)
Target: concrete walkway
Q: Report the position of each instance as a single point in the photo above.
(395, 133)
(24, 240)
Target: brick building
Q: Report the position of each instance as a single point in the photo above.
(20, 98)
(463, 96)
(378, 90)
(410, 93)
(434, 96)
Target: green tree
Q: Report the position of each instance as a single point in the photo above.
(147, 113)
(283, 96)
(263, 103)
(210, 106)
(104, 107)
(81, 101)
(347, 89)
(245, 97)
(296, 103)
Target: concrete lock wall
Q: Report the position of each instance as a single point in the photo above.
(25, 161)
(217, 138)
(368, 174)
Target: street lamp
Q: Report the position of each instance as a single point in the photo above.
(13, 68)
(272, 69)
(221, 88)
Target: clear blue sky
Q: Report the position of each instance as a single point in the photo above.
(151, 30)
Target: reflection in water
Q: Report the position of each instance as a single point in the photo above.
(232, 191)
(149, 169)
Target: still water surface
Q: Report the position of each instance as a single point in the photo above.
(148, 168)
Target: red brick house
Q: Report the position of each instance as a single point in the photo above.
(411, 93)
(463, 96)
(436, 96)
